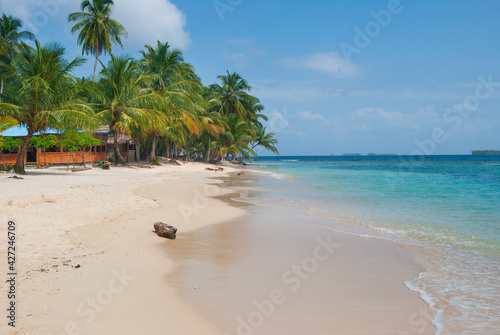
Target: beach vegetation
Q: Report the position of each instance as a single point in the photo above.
(125, 100)
(97, 30)
(43, 143)
(157, 100)
(42, 93)
(7, 145)
(82, 142)
(10, 37)
(6, 122)
(178, 85)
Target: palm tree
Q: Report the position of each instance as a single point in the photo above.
(97, 30)
(177, 82)
(6, 122)
(234, 141)
(42, 94)
(265, 140)
(10, 36)
(232, 94)
(125, 99)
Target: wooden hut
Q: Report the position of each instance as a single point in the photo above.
(56, 154)
(129, 148)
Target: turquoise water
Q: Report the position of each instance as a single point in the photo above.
(448, 205)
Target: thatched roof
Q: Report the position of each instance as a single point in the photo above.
(122, 138)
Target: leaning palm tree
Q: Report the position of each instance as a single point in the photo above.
(265, 140)
(97, 30)
(10, 36)
(42, 94)
(125, 100)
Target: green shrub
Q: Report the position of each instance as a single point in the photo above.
(6, 168)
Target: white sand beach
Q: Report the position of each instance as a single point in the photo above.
(89, 262)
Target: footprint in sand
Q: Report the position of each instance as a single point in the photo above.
(53, 290)
(44, 311)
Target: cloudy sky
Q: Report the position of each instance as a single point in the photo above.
(335, 77)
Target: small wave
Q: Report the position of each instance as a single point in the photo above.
(428, 300)
(274, 175)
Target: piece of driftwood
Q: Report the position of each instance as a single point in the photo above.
(165, 230)
(81, 169)
(217, 169)
(16, 177)
(173, 161)
(241, 173)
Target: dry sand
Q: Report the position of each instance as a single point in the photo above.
(88, 262)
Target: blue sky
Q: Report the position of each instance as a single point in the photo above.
(408, 76)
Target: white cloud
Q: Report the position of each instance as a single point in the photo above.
(331, 63)
(372, 117)
(152, 20)
(241, 52)
(278, 121)
(294, 91)
(36, 14)
(145, 23)
(307, 115)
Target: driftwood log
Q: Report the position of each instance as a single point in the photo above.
(165, 230)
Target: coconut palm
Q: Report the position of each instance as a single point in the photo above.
(42, 93)
(232, 94)
(125, 99)
(6, 122)
(265, 140)
(98, 31)
(177, 82)
(234, 141)
(169, 71)
(10, 36)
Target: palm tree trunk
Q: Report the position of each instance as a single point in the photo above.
(95, 67)
(118, 156)
(19, 167)
(83, 157)
(208, 151)
(96, 59)
(1, 86)
(152, 156)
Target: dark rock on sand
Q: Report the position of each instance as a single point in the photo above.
(165, 230)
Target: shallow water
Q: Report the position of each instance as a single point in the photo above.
(447, 205)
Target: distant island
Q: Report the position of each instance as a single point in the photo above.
(373, 154)
(486, 152)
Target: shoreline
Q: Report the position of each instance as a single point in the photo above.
(287, 235)
(116, 244)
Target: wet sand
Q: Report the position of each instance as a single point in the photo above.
(276, 270)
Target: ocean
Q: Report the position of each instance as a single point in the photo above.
(448, 206)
